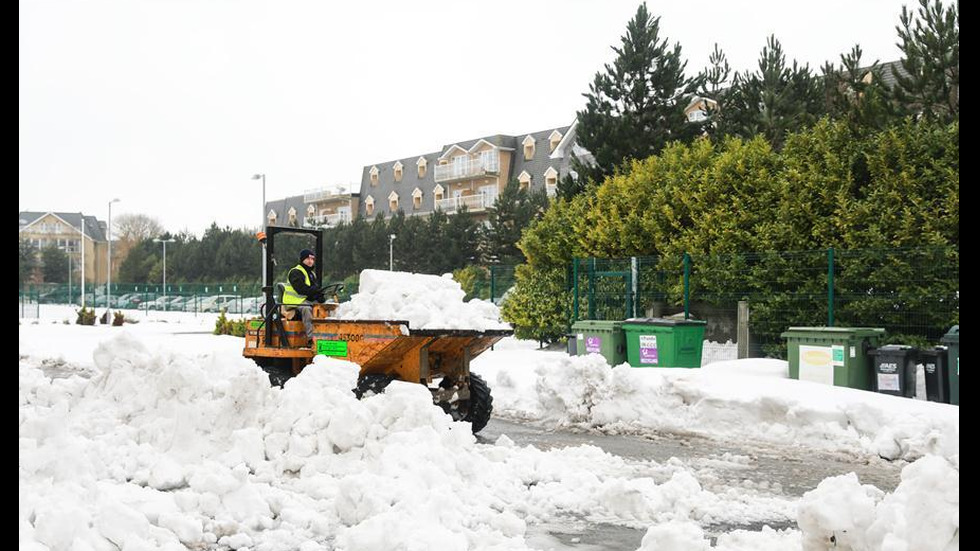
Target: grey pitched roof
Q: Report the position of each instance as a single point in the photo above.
(94, 229)
(281, 207)
(410, 180)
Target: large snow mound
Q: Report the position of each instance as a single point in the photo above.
(425, 301)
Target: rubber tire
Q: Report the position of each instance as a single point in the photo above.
(372, 382)
(279, 370)
(481, 403)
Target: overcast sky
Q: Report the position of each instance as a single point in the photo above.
(172, 105)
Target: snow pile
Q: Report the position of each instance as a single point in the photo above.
(922, 514)
(163, 451)
(740, 399)
(425, 301)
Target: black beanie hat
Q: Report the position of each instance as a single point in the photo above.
(305, 253)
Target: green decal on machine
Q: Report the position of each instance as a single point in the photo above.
(332, 348)
(255, 324)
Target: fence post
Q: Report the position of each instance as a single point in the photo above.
(830, 287)
(575, 289)
(742, 331)
(635, 276)
(687, 286)
(492, 286)
(592, 288)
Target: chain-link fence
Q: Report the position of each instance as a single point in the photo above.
(913, 293)
(233, 298)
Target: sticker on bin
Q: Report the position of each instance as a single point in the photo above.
(816, 364)
(593, 344)
(648, 349)
(888, 382)
(838, 352)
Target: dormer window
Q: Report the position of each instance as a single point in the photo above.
(417, 198)
(374, 175)
(393, 201)
(528, 144)
(398, 171)
(310, 210)
(272, 217)
(369, 205)
(554, 139)
(292, 216)
(422, 164)
(524, 180)
(438, 193)
(551, 181)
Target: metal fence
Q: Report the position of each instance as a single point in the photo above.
(913, 293)
(233, 298)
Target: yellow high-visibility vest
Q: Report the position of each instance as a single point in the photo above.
(289, 295)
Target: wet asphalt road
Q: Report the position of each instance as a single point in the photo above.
(790, 470)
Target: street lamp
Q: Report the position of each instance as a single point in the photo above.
(108, 281)
(391, 252)
(164, 241)
(82, 225)
(262, 224)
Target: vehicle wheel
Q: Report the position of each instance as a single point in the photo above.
(279, 370)
(481, 403)
(371, 384)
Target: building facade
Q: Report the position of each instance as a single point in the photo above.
(70, 231)
(469, 174)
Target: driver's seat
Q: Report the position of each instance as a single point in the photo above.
(287, 312)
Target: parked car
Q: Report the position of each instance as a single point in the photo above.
(216, 303)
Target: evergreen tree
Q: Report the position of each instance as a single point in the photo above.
(636, 106)
(714, 86)
(54, 264)
(931, 47)
(773, 101)
(27, 261)
(857, 95)
(513, 211)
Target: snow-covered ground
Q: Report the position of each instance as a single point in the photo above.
(160, 435)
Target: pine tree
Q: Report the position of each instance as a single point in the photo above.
(513, 211)
(775, 100)
(931, 49)
(54, 264)
(857, 94)
(27, 260)
(636, 106)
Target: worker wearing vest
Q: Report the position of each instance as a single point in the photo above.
(303, 290)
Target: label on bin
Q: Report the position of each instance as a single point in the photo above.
(593, 344)
(930, 368)
(888, 382)
(816, 364)
(648, 349)
(838, 351)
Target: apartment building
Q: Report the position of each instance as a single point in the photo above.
(70, 231)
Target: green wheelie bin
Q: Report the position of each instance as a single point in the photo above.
(836, 356)
(600, 337)
(664, 342)
(952, 340)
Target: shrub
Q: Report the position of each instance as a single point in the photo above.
(86, 316)
(225, 326)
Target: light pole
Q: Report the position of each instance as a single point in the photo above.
(262, 224)
(82, 225)
(108, 281)
(164, 241)
(391, 252)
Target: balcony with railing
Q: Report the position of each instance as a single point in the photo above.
(323, 194)
(472, 168)
(474, 203)
(327, 220)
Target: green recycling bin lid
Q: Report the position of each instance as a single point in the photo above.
(952, 336)
(597, 324)
(849, 331)
(669, 322)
